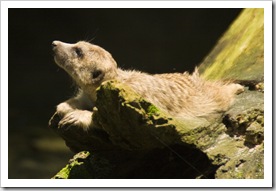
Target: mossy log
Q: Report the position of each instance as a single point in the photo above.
(133, 139)
(239, 54)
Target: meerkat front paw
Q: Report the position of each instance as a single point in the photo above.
(63, 109)
(79, 118)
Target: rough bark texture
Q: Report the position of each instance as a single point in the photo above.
(134, 139)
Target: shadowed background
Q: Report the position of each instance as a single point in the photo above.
(151, 40)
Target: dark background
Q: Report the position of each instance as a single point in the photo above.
(151, 40)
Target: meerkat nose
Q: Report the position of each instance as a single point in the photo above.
(54, 43)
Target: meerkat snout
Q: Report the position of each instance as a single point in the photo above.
(54, 44)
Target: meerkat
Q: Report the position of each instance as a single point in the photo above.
(177, 94)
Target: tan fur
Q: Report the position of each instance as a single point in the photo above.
(178, 94)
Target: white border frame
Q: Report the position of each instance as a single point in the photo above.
(266, 182)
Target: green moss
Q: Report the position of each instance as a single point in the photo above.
(63, 173)
(254, 134)
(260, 87)
(74, 167)
(66, 172)
(239, 53)
(240, 123)
(152, 110)
(239, 175)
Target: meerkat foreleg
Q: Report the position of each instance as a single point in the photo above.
(76, 111)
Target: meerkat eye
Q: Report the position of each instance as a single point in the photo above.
(96, 73)
(78, 52)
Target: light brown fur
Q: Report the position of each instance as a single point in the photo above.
(179, 94)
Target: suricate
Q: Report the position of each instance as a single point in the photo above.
(178, 94)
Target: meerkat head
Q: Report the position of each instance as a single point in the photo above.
(89, 65)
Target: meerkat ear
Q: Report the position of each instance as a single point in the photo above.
(97, 76)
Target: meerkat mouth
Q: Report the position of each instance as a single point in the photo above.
(54, 51)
